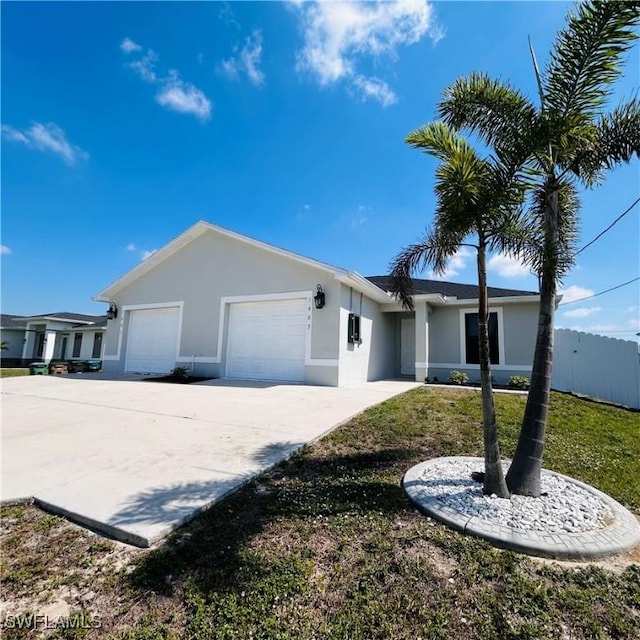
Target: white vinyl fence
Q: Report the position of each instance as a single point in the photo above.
(597, 366)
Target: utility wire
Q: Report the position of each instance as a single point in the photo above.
(622, 215)
(595, 295)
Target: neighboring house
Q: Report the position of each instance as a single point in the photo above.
(12, 330)
(226, 305)
(52, 336)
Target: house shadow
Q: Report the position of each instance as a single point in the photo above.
(208, 549)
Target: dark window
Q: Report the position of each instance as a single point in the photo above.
(77, 345)
(39, 345)
(97, 344)
(353, 329)
(471, 338)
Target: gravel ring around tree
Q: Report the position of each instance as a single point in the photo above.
(573, 520)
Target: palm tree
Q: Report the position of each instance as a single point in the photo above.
(566, 140)
(474, 198)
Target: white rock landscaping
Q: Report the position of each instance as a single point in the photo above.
(564, 506)
(571, 520)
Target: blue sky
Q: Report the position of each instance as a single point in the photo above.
(125, 123)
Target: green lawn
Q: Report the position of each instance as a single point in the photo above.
(12, 373)
(326, 545)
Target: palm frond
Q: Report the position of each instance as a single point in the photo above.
(432, 250)
(438, 140)
(587, 55)
(615, 140)
(503, 117)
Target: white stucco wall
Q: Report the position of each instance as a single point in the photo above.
(204, 273)
(374, 357)
(518, 328)
(14, 339)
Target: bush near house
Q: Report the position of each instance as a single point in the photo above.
(458, 377)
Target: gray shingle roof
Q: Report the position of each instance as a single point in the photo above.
(65, 315)
(9, 321)
(453, 289)
(12, 322)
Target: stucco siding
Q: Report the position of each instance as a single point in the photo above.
(374, 357)
(204, 272)
(444, 334)
(520, 329)
(518, 324)
(14, 341)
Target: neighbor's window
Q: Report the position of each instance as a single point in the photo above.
(97, 344)
(471, 338)
(77, 345)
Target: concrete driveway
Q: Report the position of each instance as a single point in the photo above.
(135, 459)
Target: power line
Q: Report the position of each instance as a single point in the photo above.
(622, 215)
(595, 295)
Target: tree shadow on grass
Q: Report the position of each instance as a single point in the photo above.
(209, 550)
(175, 504)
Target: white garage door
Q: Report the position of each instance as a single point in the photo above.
(152, 340)
(267, 340)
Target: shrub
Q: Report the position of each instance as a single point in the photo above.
(458, 377)
(519, 382)
(180, 372)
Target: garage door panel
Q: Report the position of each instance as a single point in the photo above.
(152, 340)
(267, 340)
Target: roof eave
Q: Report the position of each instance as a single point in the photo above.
(360, 283)
(185, 238)
(450, 300)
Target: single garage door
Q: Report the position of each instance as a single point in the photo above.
(267, 340)
(152, 340)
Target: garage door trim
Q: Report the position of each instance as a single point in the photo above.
(266, 303)
(155, 305)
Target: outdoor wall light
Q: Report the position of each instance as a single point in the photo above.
(112, 311)
(319, 298)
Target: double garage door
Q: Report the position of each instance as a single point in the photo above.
(267, 340)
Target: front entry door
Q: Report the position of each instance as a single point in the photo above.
(408, 347)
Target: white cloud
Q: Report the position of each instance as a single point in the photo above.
(247, 61)
(178, 95)
(145, 66)
(174, 93)
(46, 137)
(9, 133)
(4, 250)
(507, 266)
(227, 15)
(131, 247)
(129, 46)
(147, 253)
(375, 89)
(354, 220)
(582, 312)
(337, 35)
(456, 263)
(572, 293)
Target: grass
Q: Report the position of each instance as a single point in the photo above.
(12, 373)
(327, 546)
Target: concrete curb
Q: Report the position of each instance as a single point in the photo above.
(621, 535)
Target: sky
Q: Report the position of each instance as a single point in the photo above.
(124, 123)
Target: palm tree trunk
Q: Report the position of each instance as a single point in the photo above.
(494, 482)
(523, 477)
